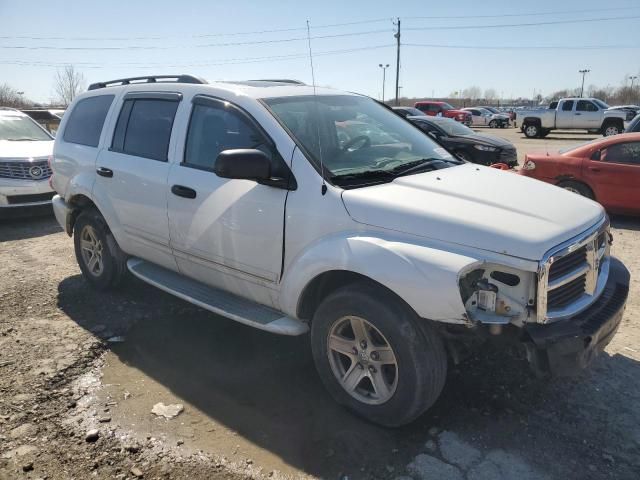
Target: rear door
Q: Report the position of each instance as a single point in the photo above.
(587, 115)
(564, 114)
(132, 174)
(615, 176)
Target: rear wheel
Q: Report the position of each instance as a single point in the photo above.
(531, 130)
(577, 187)
(101, 261)
(374, 357)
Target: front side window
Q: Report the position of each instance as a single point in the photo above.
(144, 128)
(16, 128)
(586, 106)
(87, 119)
(356, 137)
(628, 153)
(213, 129)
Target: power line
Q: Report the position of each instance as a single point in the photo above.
(524, 47)
(230, 61)
(532, 24)
(205, 45)
(207, 35)
(528, 14)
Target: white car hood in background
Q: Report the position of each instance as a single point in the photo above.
(25, 149)
(476, 206)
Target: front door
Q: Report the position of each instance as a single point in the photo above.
(132, 175)
(227, 233)
(615, 177)
(587, 115)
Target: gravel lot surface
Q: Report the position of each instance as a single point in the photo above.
(80, 373)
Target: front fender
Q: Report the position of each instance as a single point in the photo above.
(424, 277)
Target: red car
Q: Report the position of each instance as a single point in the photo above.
(606, 170)
(444, 110)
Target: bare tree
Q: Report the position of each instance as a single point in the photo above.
(68, 83)
(472, 93)
(10, 97)
(490, 94)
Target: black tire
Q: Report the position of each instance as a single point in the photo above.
(577, 187)
(113, 259)
(531, 130)
(418, 349)
(612, 128)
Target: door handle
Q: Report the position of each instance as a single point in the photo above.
(578, 114)
(182, 191)
(594, 169)
(104, 172)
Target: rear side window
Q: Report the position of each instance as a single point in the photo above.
(87, 119)
(144, 128)
(567, 106)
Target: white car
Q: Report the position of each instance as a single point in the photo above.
(25, 148)
(481, 117)
(261, 201)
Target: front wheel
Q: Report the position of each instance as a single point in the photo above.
(531, 130)
(373, 356)
(493, 124)
(611, 129)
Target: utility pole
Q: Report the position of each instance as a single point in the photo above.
(583, 72)
(397, 35)
(632, 78)
(384, 71)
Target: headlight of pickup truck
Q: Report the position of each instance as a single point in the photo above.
(485, 148)
(497, 294)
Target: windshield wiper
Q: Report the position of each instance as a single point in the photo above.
(416, 166)
(368, 177)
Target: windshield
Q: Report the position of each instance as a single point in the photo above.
(575, 147)
(357, 137)
(453, 128)
(15, 128)
(492, 110)
(415, 112)
(600, 103)
(446, 106)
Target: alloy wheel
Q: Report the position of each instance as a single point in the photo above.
(91, 248)
(362, 360)
(611, 130)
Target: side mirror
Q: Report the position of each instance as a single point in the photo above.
(243, 164)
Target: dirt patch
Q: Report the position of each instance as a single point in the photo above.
(253, 404)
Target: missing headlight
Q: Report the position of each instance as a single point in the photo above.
(506, 278)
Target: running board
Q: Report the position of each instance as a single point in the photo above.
(215, 300)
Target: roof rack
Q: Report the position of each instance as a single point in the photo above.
(279, 80)
(148, 79)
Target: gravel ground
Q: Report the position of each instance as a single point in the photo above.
(81, 371)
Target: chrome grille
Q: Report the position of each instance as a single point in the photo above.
(25, 169)
(573, 275)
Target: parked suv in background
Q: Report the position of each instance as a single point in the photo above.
(290, 208)
(25, 148)
(443, 109)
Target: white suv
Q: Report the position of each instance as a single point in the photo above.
(291, 210)
(25, 148)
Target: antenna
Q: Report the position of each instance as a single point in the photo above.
(315, 101)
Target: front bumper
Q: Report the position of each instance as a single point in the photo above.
(568, 346)
(15, 193)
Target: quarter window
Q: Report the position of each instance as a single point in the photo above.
(87, 119)
(144, 128)
(213, 129)
(628, 153)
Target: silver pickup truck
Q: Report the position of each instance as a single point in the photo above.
(572, 114)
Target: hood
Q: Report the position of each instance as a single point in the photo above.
(27, 149)
(487, 140)
(478, 207)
